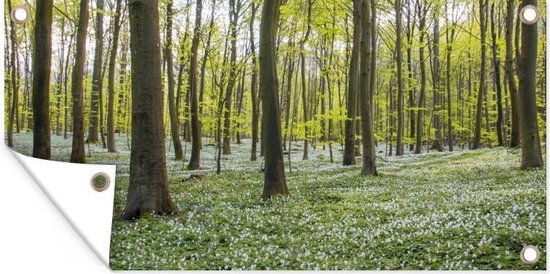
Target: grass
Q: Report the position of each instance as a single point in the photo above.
(460, 210)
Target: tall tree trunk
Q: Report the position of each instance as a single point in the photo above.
(369, 149)
(354, 68)
(148, 184)
(274, 174)
(303, 74)
(437, 85)
(14, 79)
(482, 74)
(254, 85)
(235, 7)
(97, 83)
(399, 57)
(78, 154)
(174, 121)
(194, 163)
(510, 74)
(112, 91)
(531, 154)
(41, 72)
(498, 85)
(422, 97)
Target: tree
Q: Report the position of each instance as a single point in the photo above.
(173, 111)
(482, 75)
(97, 79)
(367, 134)
(436, 76)
(78, 154)
(42, 62)
(303, 73)
(254, 85)
(510, 73)
(349, 148)
(194, 163)
(14, 80)
(399, 57)
(274, 174)
(421, 10)
(148, 183)
(498, 85)
(234, 11)
(531, 154)
(111, 146)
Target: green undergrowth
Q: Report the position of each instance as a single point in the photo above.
(460, 210)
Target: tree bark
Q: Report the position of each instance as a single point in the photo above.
(482, 74)
(274, 174)
(510, 73)
(422, 97)
(399, 57)
(498, 85)
(78, 154)
(353, 82)
(148, 183)
(111, 146)
(254, 85)
(531, 153)
(173, 111)
(369, 148)
(194, 162)
(97, 81)
(41, 72)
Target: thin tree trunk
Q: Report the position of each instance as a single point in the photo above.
(194, 162)
(510, 74)
(174, 121)
(482, 74)
(112, 91)
(78, 154)
(97, 83)
(399, 57)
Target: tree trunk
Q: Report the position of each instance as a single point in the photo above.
(531, 154)
(482, 74)
(369, 149)
(194, 163)
(234, 17)
(274, 174)
(78, 154)
(498, 86)
(97, 83)
(41, 71)
(422, 97)
(174, 121)
(14, 80)
(399, 57)
(349, 142)
(510, 74)
(254, 85)
(303, 74)
(437, 85)
(148, 183)
(112, 91)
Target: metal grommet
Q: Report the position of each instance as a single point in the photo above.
(529, 15)
(529, 254)
(100, 182)
(20, 14)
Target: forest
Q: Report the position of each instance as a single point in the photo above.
(294, 134)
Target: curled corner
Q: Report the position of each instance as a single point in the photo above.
(69, 187)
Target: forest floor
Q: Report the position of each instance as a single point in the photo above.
(459, 210)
